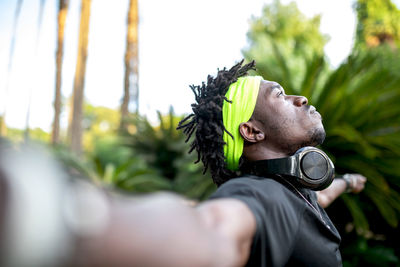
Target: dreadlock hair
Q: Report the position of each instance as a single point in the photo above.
(207, 124)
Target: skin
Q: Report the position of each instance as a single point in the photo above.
(162, 230)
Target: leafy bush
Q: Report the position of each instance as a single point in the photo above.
(163, 148)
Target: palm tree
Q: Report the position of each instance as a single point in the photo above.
(62, 16)
(75, 132)
(131, 62)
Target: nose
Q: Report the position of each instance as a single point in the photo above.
(300, 101)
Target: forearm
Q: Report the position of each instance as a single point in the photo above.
(350, 182)
(328, 195)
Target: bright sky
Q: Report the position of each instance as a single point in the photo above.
(180, 42)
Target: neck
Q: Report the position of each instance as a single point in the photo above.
(256, 152)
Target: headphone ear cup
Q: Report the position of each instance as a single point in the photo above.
(317, 170)
(314, 165)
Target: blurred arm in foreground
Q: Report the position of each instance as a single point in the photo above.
(161, 230)
(49, 219)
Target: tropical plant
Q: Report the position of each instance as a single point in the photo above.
(111, 164)
(143, 158)
(359, 101)
(164, 149)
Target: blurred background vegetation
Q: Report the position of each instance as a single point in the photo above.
(359, 101)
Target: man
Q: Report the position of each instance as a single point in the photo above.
(242, 120)
(253, 219)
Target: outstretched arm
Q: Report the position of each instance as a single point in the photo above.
(351, 182)
(48, 219)
(161, 230)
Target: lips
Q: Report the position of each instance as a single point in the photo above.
(313, 111)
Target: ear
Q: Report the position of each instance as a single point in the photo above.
(250, 132)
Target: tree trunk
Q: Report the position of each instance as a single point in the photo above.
(76, 122)
(131, 63)
(62, 16)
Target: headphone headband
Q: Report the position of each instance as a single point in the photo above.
(309, 166)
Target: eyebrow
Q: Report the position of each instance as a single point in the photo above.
(276, 86)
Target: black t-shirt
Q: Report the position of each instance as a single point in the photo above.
(289, 231)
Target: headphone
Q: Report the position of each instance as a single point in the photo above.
(309, 167)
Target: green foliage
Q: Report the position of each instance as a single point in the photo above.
(98, 122)
(161, 145)
(36, 134)
(113, 165)
(282, 40)
(163, 148)
(378, 22)
(145, 158)
(362, 252)
(360, 101)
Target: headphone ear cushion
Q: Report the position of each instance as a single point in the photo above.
(317, 170)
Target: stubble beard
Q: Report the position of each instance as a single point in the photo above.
(315, 137)
(280, 133)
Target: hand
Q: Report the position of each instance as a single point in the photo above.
(356, 182)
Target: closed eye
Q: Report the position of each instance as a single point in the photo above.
(277, 88)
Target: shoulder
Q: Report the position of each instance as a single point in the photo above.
(250, 181)
(261, 188)
(234, 222)
(267, 198)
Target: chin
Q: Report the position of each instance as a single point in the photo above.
(317, 136)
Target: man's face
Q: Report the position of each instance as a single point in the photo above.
(288, 122)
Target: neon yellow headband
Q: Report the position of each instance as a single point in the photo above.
(243, 95)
